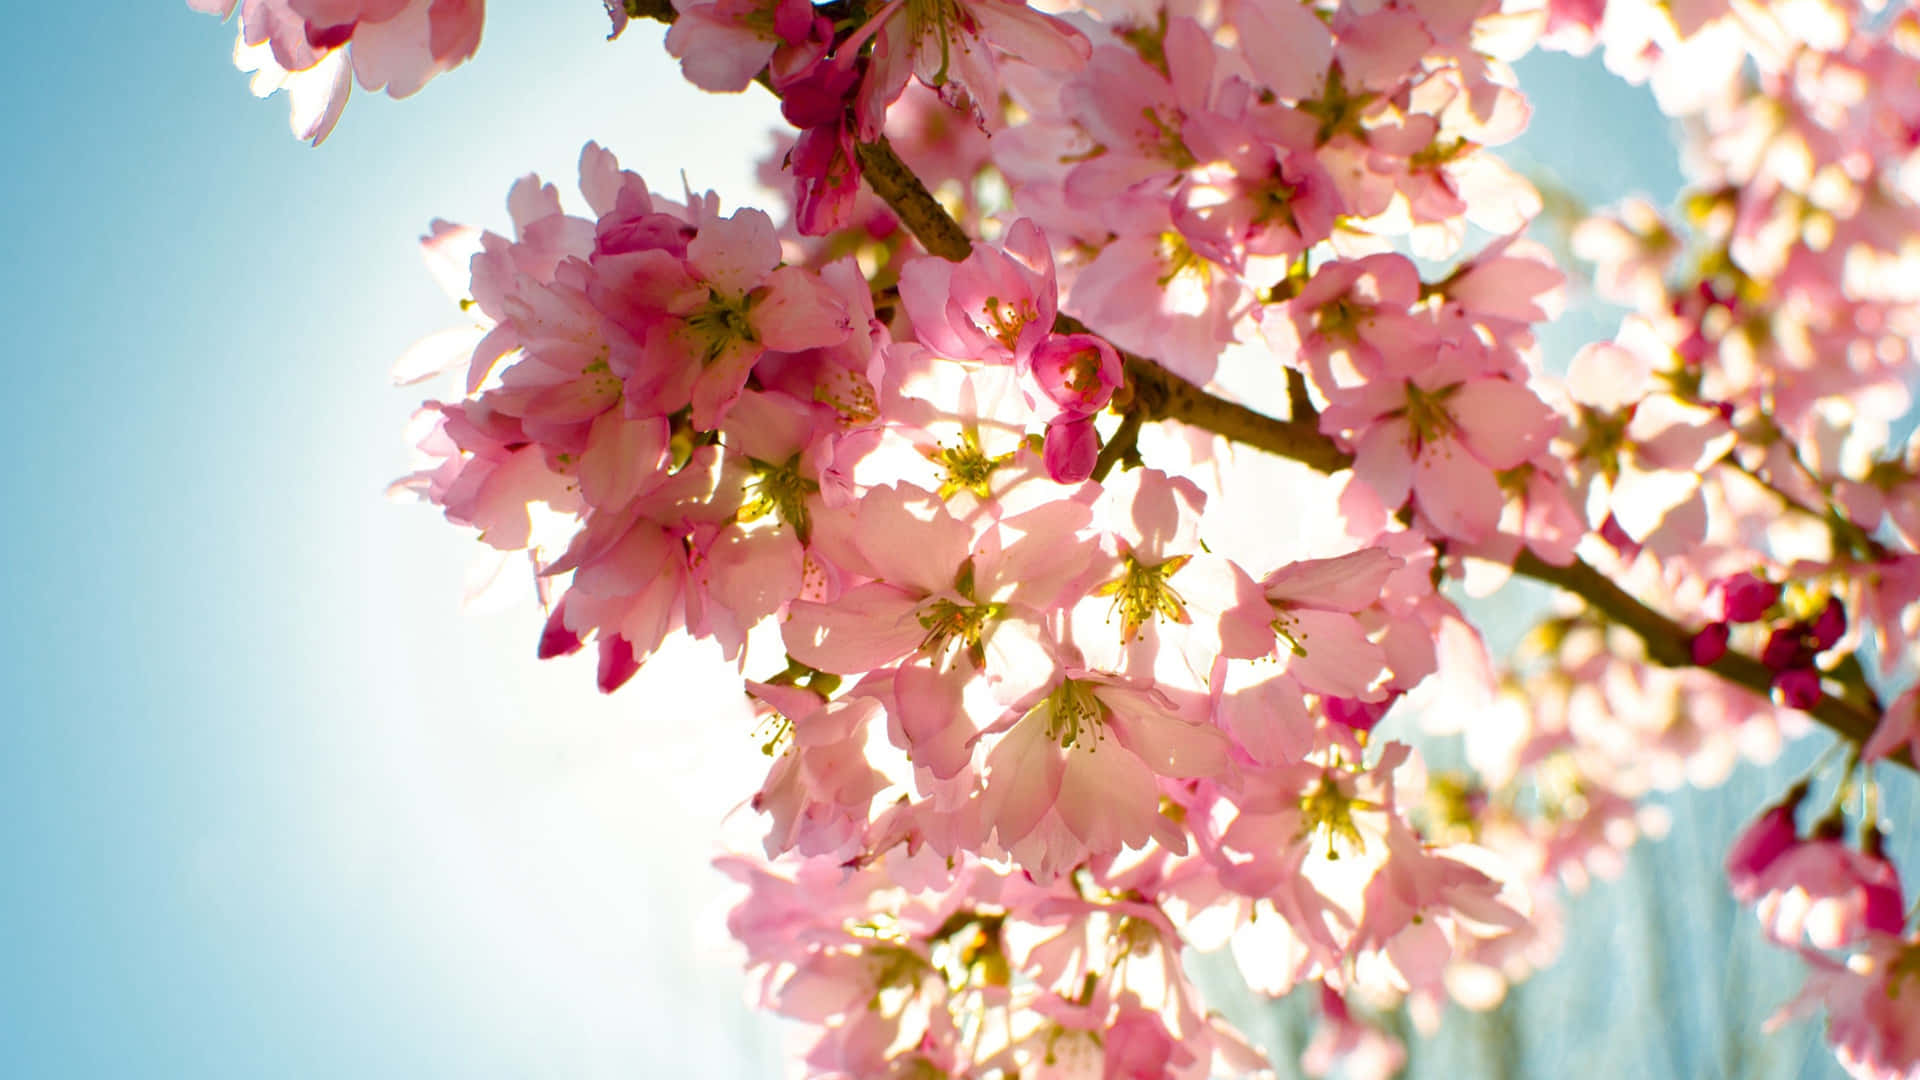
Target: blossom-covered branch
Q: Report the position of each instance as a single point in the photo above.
(1162, 395)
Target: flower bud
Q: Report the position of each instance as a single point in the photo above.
(1770, 836)
(1798, 688)
(1745, 597)
(1784, 649)
(1710, 643)
(1078, 372)
(1829, 625)
(1072, 447)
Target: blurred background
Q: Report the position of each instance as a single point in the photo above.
(270, 805)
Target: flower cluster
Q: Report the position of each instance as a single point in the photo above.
(317, 49)
(1055, 679)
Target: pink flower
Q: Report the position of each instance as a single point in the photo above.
(1437, 427)
(946, 602)
(1873, 1007)
(1358, 309)
(820, 788)
(723, 44)
(391, 45)
(1090, 752)
(706, 320)
(1829, 893)
(1077, 372)
(997, 305)
(1422, 906)
(951, 45)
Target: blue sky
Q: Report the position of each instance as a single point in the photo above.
(270, 804)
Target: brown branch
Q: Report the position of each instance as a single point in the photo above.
(892, 180)
(1669, 643)
(1159, 394)
(1125, 444)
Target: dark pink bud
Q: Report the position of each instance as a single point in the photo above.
(1358, 715)
(881, 224)
(792, 20)
(1745, 597)
(1079, 372)
(327, 38)
(1710, 643)
(1613, 534)
(1829, 625)
(819, 97)
(617, 664)
(1333, 1005)
(555, 638)
(1784, 649)
(826, 180)
(1770, 836)
(1072, 447)
(1885, 910)
(1799, 688)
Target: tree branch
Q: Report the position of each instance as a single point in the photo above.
(893, 181)
(1159, 394)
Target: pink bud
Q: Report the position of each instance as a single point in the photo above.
(1744, 597)
(1072, 447)
(826, 180)
(1885, 909)
(1614, 534)
(1358, 715)
(1799, 688)
(1829, 625)
(617, 664)
(792, 19)
(1784, 649)
(1710, 643)
(1079, 372)
(818, 98)
(1770, 836)
(555, 638)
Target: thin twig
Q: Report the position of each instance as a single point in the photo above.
(1124, 444)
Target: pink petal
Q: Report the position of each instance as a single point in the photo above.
(1457, 493)
(1383, 462)
(796, 310)
(1269, 720)
(910, 539)
(1169, 745)
(621, 455)
(1503, 423)
(1339, 659)
(1107, 798)
(869, 626)
(927, 705)
(1285, 45)
(1344, 583)
(1023, 779)
(717, 56)
(735, 254)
